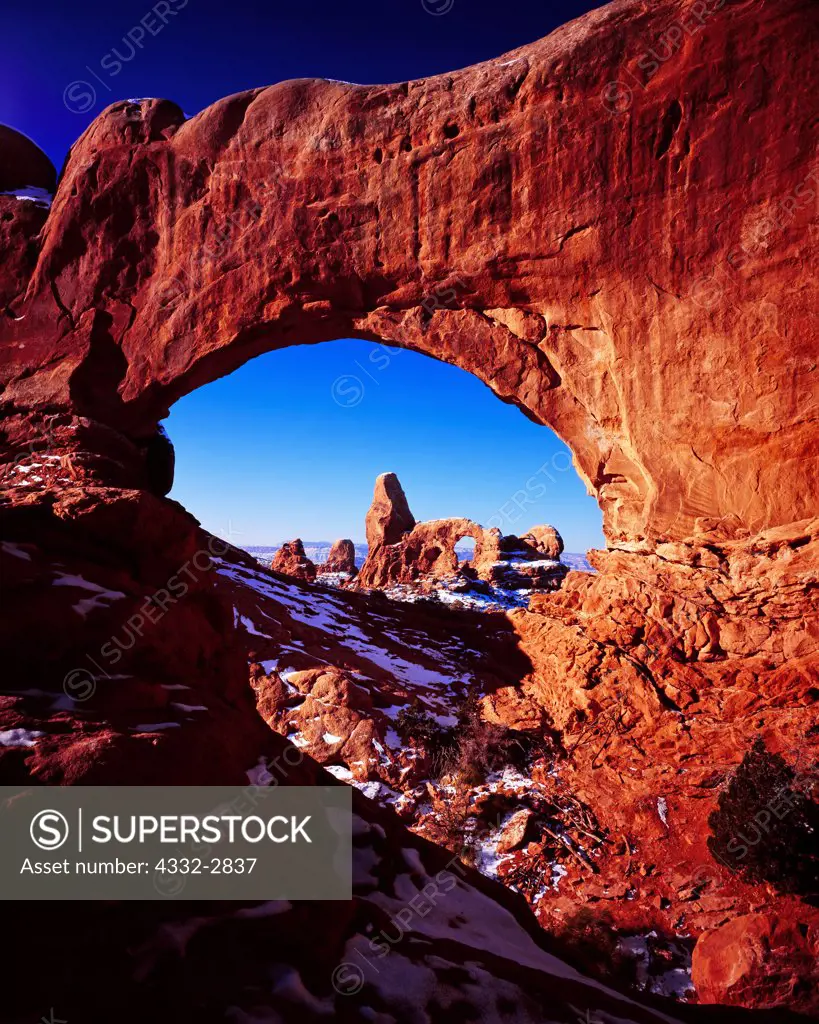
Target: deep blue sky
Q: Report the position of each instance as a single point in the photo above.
(212, 48)
(268, 451)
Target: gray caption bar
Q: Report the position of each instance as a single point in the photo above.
(183, 842)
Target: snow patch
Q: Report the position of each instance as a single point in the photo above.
(102, 598)
(19, 737)
(259, 775)
(31, 194)
(11, 548)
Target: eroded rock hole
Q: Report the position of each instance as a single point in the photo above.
(670, 124)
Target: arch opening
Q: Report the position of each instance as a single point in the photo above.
(290, 444)
(465, 548)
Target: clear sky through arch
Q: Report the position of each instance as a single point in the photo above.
(290, 445)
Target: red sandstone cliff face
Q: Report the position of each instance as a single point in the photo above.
(632, 267)
(631, 264)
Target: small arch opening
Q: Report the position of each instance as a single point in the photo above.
(465, 549)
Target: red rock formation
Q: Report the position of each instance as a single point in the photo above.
(424, 554)
(341, 559)
(290, 560)
(760, 958)
(626, 256)
(545, 540)
(23, 164)
(389, 516)
(669, 365)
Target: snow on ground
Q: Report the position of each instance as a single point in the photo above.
(59, 701)
(243, 620)
(464, 914)
(437, 687)
(11, 548)
(334, 579)
(473, 600)
(19, 737)
(487, 858)
(102, 598)
(31, 194)
(259, 775)
(380, 791)
(674, 983)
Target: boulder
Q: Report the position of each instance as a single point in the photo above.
(514, 831)
(545, 540)
(762, 960)
(290, 560)
(341, 558)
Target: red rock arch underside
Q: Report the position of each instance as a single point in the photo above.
(629, 257)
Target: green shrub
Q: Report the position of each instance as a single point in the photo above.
(766, 826)
(438, 741)
(472, 748)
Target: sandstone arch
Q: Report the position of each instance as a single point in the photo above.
(573, 256)
(571, 246)
(428, 550)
